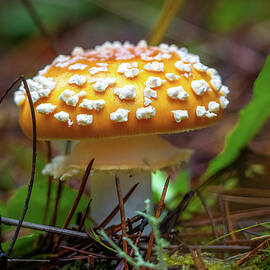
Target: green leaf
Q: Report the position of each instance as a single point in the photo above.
(250, 122)
(179, 185)
(227, 15)
(24, 245)
(38, 201)
(54, 14)
(2, 209)
(98, 239)
(6, 179)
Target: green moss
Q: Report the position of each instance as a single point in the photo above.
(186, 261)
(261, 260)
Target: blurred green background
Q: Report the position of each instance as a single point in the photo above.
(231, 35)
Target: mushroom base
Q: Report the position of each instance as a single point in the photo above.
(104, 193)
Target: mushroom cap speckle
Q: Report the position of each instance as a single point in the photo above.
(120, 90)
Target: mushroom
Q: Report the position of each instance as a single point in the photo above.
(132, 158)
(115, 99)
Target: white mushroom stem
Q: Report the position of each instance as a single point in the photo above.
(132, 158)
(104, 193)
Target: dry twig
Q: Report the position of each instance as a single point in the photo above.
(45, 228)
(253, 252)
(123, 218)
(116, 209)
(34, 156)
(36, 18)
(77, 200)
(210, 215)
(161, 203)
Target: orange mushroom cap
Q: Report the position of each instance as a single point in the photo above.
(122, 89)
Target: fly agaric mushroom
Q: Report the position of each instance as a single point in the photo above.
(111, 94)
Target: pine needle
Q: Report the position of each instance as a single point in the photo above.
(168, 11)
